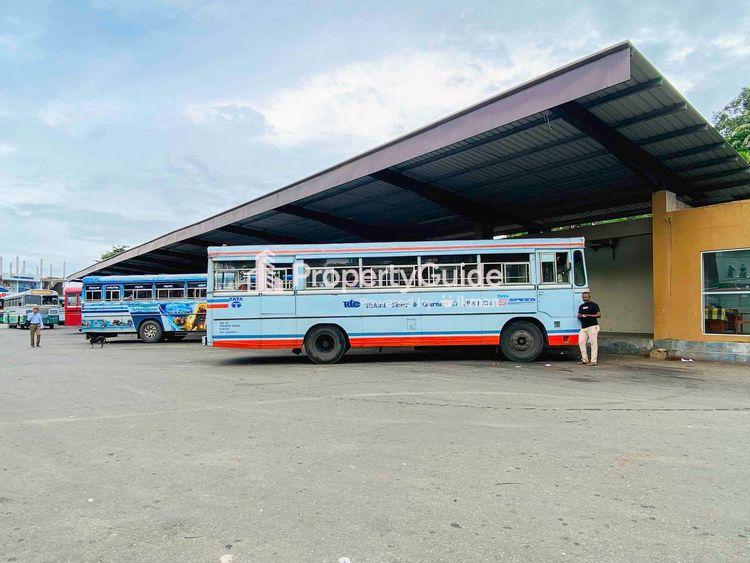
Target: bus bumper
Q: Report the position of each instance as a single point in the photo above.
(562, 340)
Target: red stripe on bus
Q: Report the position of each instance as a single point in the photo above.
(217, 306)
(259, 344)
(562, 339)
(398, 249)
(450, 340)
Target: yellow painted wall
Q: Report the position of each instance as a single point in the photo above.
(679, 237)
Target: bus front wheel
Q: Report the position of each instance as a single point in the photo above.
(522, 341)
(150, 332)
(325, 344)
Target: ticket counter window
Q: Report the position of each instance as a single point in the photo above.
(726, 292)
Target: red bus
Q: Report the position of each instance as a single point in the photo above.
(72, 296)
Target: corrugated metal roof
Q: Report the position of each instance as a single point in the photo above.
(493, 163)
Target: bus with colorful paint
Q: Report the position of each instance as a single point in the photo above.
(72, 305)
(156, 308)
(519, 295)
(17, 306)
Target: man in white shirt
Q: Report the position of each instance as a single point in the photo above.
(35, 326)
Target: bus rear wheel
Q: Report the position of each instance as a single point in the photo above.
(150, 332)
(522, 341)
(325, 344)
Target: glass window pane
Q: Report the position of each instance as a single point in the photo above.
(548, 267)
(579, 273)
(563, 267)
(726, 313)
(93, 293)
(726, 270)
(234, 275)
(112, 293)
(166, 291)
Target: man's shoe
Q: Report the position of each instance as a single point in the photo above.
(592, 364)
(582, 362)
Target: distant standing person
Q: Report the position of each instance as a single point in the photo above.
(35, 326)
(588, 313)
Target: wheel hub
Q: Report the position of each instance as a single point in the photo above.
(521, 340)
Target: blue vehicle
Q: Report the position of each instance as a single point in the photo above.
(517, 294)
(158, 307)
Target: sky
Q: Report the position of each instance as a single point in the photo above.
(123, 120)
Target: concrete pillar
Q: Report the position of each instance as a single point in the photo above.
(663, 203)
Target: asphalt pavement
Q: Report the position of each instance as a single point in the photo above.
(177, 452)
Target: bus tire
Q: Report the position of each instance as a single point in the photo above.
(325, 344)
(150, 332)
(521, 341)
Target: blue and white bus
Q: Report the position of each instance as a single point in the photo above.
(518, 294)
(158, 307)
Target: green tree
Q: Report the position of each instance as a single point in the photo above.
(733, 122)
(116, 249)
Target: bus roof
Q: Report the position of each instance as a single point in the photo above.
(31, 292)
(409, 247)
(145, 279)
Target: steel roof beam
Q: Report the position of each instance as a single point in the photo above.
(689, 152)
(261, 235)
(176, 255)
(720, 174)
(629, 91)
(183, 267)
(637, 88)
(637, 159)
(455, 203)
(707, 163)
(673, 134)
(362, 230)
(661, 112)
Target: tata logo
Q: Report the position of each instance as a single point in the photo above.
(235, 302)
(352, 304)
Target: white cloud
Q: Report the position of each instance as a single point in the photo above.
(6, 149)
(73, 117)
(369, 102)
(733, 44)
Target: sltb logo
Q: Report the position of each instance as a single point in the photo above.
(235, 302)
(352, 304)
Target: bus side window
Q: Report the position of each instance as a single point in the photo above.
(555, 267)
(579, 272)
(93, 293)
(112, 293)
(196, 290)
(547, 265)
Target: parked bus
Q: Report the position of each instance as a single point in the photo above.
(18, 305)
(518, 294)
(158, 307)
(72, 303)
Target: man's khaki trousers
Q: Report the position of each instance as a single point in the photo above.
(35, 330)
(589, 334)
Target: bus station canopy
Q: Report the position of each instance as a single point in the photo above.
(589, 141)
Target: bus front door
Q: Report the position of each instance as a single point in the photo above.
(554, 295)
(278, 304)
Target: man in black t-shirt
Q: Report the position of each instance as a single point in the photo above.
(588, 313)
